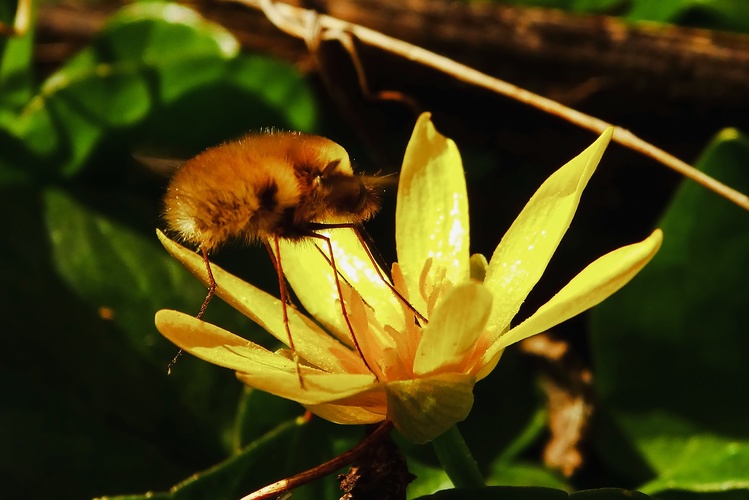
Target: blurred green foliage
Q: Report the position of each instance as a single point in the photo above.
(685, 420)
(730, 15)
(86, 403)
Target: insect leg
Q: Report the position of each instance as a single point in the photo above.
(360, 235)
(211, 292)
(312, 234)
(284, 301)
(211, 284)
(400, 297)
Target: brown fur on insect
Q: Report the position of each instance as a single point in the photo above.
(275, 184)
(265, 187)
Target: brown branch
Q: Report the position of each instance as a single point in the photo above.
(559, 54)
(680, 61)
(304, 24)
(329, 467)
(687, 58)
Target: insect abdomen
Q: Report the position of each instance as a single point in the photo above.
(226, 193)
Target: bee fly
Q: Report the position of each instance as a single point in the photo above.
(267, 186)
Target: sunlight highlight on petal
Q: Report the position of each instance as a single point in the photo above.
(591, 286)
(420, 368)
(306, 262)
(319, 388)
(525, 250)
(432, 209)
(311, 342)
(216, 345)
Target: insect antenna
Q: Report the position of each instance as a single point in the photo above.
(276, 259)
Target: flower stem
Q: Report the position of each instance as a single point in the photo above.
(456, 459)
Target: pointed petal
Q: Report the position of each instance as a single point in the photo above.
(310, 341)
(216, 345)
(258, 367)
(591, 286)
(319, 388)
(525, 250)
(456, 323)
(422, 409)
(488, 364)
(431, 217)
(365, 407)
(306, 263)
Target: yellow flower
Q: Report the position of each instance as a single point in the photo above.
(423, 373)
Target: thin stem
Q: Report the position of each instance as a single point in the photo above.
(303, 24)
(329, 467)
(456, 459)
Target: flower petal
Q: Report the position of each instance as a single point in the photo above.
(365, 407)
(307, 262)
(311, 342)
(347, 415)
(319, 388)
(479, 265)
(431, 217)
(455, 325)
(591, 286)
(422, 409)
(526, 249)
(216, 345)
(258, 367)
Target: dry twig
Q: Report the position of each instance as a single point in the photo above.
(313, 27)
(329, 467)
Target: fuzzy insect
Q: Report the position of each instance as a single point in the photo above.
(267, 186)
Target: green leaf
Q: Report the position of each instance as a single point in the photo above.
(428, 480)
(669, 348)
(106, 85)
(706, 463)
(574, 5)
(608, 494)
(497, 493)
(712, 14)
(533, 493)
(524, 474)
(235, 96)
(656, 11)
(156, 75)
(16, 55)
(109, 265)
(77, 391)
(80, 453)
(685, 495)
(717, 14)
(86, 368)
